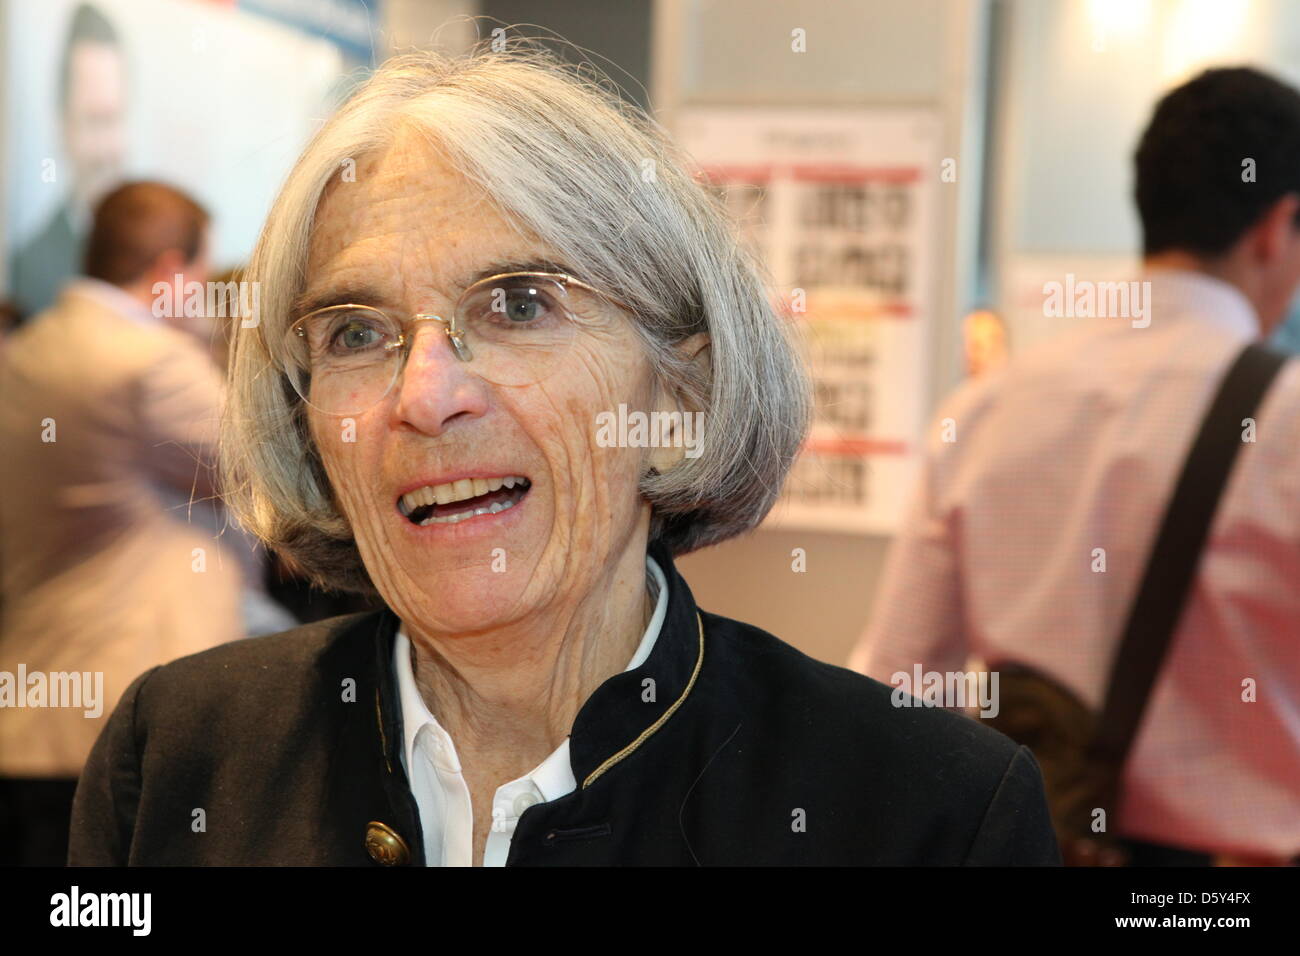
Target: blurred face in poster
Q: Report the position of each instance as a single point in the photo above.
(94, 120)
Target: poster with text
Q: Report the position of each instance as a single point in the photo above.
(840, 205)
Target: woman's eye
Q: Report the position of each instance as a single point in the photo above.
(523, 308)
(356, 336)
(517, 307)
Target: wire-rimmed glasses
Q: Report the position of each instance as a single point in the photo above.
(514, 329)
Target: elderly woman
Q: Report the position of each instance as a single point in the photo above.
(474, 264)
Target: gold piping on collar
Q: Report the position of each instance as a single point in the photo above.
(645, 734)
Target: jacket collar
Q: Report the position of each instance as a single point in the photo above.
(621, 714)
(629, 707)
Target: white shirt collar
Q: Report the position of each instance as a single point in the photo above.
(1182, 292)
(114, 299)
(554, 775)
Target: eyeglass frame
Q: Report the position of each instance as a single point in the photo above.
(460, 348)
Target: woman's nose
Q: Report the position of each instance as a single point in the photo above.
(437, 385)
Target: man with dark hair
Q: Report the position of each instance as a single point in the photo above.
(1046, 483)
(1201, 200)
(108, 560)
(92, 110)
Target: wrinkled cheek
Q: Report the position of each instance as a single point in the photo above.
(608, 491)
(342, 453)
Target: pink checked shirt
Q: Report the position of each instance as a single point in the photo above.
(1074, 447)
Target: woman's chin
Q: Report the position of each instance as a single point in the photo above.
(472, 609)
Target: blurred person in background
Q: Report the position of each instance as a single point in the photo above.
(92, 111)
(108, 560)
(1077, 445)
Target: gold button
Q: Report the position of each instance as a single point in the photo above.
(385, 846)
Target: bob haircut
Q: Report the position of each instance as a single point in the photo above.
(570, 162)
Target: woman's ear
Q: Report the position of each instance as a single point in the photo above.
(681, 429)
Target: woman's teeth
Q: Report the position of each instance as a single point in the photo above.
(457, 491)
(462, 515)
(431, 504)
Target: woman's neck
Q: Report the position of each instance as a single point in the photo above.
(513, 693)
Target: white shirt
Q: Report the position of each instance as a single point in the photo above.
(1076, 447)
(437, 780)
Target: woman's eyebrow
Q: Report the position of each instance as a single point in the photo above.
(309, 300)
(504, 266)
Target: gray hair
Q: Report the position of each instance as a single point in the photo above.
(602, 184)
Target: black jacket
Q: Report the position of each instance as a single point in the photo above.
(750, 753)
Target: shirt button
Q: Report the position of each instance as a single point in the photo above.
(385, 846)
(525, 800)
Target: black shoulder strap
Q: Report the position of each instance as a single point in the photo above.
(1160, 599)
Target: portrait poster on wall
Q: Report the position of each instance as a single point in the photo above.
(105, 91)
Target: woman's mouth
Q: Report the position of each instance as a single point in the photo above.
(461, 500)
